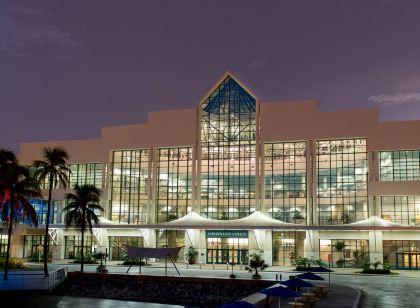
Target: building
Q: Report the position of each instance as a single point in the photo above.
(283, 178)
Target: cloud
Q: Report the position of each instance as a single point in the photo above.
(22, 31)
(26, 11)
(396, 99)
(255, 65)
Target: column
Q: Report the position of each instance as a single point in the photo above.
(312, 244)
(375, 247)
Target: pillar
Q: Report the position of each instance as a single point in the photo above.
(375, 247)
(312, 245)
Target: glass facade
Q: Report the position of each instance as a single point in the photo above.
(129, 186)
(34, 247)
(228, 136)
(402, 254)
(345, 253)
(82, 174)
(172, 238)
(342, 181)
(3, 245)
(118, 246)
(73, 246)
(174, 183)
(285, 181)
(399, 165)
(401, 209)
(41, 209)
(287, 246)
(224, 250)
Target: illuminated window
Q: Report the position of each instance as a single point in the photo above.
(129, 183)
(228, 128)
(401, 209)
(174, 183)
(342, 181)
(285, 181)
(399, 165)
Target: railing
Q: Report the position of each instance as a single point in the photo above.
(57, 277)
(26, 280)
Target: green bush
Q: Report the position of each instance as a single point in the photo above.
(134, 261)
(39, 257)
(376, 271)
(13, 263)
(88, 259)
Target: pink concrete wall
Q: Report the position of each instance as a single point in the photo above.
(284, 121)
(302, 121)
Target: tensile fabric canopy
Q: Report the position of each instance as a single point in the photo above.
(297, 283)
(309, 276)
(280, 291)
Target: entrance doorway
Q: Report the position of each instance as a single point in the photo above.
(408, 260)
(227, 246)
(227, 250)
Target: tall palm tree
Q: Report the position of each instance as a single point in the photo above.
(54, 170)
(80, 211)
(16, 187)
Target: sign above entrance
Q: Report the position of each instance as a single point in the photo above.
(227, 233)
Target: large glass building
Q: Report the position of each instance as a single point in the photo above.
(282, 178)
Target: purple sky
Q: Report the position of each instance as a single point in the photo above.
(68, 68)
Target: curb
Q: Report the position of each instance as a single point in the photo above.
(358, 303)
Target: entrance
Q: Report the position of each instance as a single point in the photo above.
(224, 249)
(409, 260)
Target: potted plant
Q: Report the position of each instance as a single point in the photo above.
(101, 256)
(191, 255)
(256, 262)
(298, 217)
(339, 247)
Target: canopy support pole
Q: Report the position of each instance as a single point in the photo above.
(174, 265)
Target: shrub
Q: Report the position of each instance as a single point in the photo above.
(39, 257)
(376, 271)
(134, 261)
(13, 263)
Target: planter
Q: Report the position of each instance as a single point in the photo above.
(256, 276)
(191, 261)
(101, 269)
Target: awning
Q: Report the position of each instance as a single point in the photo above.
(140, 252)
(255, 220)
(375, 221)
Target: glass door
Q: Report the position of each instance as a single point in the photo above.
(227, 250)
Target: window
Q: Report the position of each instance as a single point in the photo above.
(129, 186)
(399, 165)
(285, 181)
(174, 183)
(342, 181)
(401, 209)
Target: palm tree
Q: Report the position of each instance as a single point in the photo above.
(53, 168)
(80, 211)
(16, 187)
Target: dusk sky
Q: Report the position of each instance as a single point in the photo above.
(67, 68)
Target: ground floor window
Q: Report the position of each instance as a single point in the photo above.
(118, 246)
(225, 246)
(3, 245)
(73, 246)
(402, 254)
(287, 246)
(172, 238)
(34, 247)
(345, 253)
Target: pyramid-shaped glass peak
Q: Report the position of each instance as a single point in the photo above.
(229, 97)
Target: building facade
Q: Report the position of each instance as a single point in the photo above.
(331, 178)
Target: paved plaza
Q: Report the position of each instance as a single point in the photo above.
(401, 290)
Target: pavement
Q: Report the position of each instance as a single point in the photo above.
(399, 290)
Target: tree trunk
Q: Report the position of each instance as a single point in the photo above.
(47, 224)
(82, 253)
(9, 233)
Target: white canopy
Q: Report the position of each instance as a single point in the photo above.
(375, 221)
(191, 219)
(257, 219)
